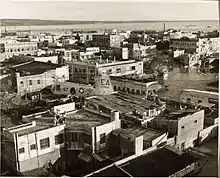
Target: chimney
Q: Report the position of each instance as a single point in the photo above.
(114, 115)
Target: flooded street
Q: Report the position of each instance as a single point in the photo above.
(178, 80)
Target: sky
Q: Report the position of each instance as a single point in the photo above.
(110, 10)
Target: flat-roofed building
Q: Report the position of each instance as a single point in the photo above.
(185, 43)
(134, 140)
(201, 46)
(135, 85)
(101, 40)
(47, 59)
(90, 132)
(85, 132)
(199, 97)
(81, 55)
(9, 49)
(86, 71)
(67, 42)
(115, 40)
(133, 50)
(183, 124)
(35, 146)
(67, 54)
(86, 36)
(34, 76)
(77, 55)
(163, 162)
(93, 49)
(133, 108)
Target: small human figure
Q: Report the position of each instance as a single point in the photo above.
(57, 119)
(64, 116)
(49, 164)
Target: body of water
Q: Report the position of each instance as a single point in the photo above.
(184, 25)
(178, 80)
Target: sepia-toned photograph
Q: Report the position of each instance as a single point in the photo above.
(106, 88)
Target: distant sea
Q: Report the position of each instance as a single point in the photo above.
(184, 25)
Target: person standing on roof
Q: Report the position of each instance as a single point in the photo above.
(64, 116)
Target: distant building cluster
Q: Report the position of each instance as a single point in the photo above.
(85, 106)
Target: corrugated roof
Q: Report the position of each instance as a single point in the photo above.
(159, 163)
(124, 103)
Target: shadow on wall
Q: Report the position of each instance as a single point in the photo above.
(213, 134)
(58, 166)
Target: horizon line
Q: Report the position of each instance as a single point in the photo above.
(106, 20)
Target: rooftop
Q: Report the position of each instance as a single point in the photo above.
(39, 172)
(124, 103)
(180, 113)
(134, 132)
(200, 91)
(32, 130)
(112, 171)
(79, 119)
(144, 80)
(35, 67)
(160, 163)
(185, 39)
(104, 63)
(84, 118)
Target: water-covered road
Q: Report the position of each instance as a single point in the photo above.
(178, 80)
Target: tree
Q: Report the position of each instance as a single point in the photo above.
(162, 45)
(10, 101)
(157, 63)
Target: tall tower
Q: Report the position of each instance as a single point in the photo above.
(0, 27)
(164, 27)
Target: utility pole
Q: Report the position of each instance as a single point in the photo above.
(5, 27)
(1, 28)
(29, 28)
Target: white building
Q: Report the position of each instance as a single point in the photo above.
(68, 42)
(11, 48)
(35, 76)
(115, 40)
(85, 132)
(178, 53)
(93, 49)
(85, 71)
(198, 97)
(180, 34)
(35, 145)
(41, 52)
(135, 85)
(183, 125)
(47, 59)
